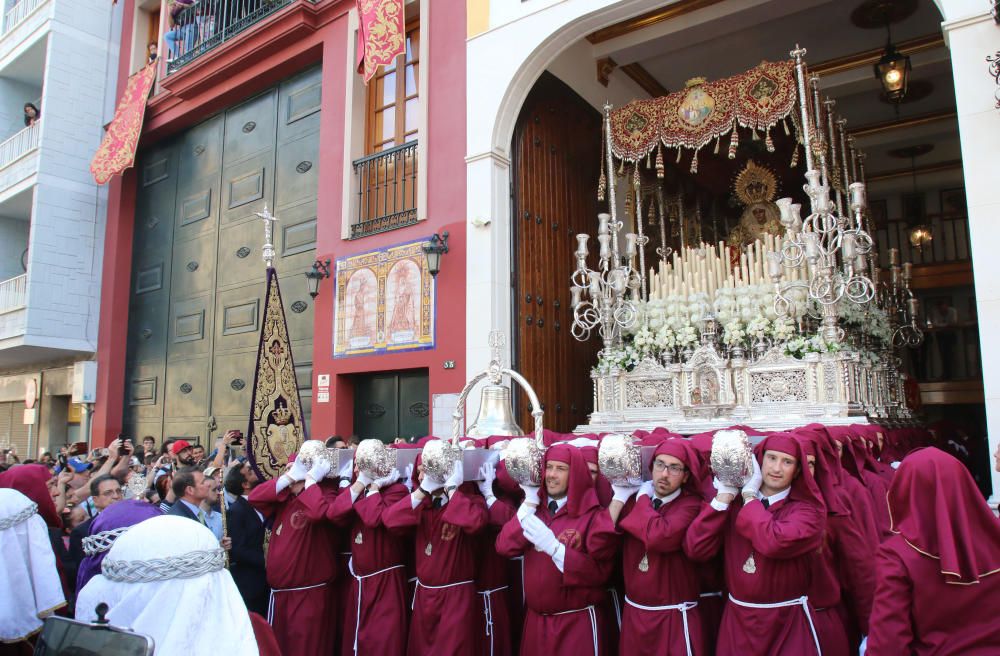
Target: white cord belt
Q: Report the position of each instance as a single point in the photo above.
(593, 620)
(270, 601)
(683, 607)
(488, 611)
(359, 578)
(801, 601)
(432, 587)
(711, 594)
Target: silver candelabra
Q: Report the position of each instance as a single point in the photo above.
(831, 243)
(604, 298)
(901, 306)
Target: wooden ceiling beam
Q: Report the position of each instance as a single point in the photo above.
(869, 57)
(644, 79)
(649, 18)
(905, 123)
(927, 168)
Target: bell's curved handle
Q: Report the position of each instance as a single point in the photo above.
(458, 417)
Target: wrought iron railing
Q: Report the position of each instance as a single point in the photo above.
(18, 13)
(199, 26)
(386, 190)
(13, 293)
(19, 145)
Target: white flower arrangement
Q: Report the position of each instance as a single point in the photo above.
(687, 336)
(733, 334)
(758, 328)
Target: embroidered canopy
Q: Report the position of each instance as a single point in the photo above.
(758, 99)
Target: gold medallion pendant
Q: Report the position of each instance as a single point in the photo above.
(357, 539)
(750, 566)
(428, 549)
(644, 563)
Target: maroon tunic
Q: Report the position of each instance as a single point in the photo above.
(493, 585)
(658, 573)
(445, 596)
(563, 608)
(917, 612)
(301, 564)
(937, 579)
(376, 613)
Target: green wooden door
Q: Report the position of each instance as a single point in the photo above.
(198, 277)
(388, 405)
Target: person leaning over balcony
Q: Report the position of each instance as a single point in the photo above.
(31, 114)
(183, 28)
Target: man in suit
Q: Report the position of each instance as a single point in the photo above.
(192, 487)
(246, 529)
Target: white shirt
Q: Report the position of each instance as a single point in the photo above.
(670, 497)
(776, 497)
(559, 503)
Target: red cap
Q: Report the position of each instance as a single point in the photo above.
(178, 446)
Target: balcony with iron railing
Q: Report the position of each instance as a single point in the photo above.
(386, 190)
(205, 25)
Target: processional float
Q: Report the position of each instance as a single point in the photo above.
(788, 323)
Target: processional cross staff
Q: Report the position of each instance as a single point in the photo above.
(268, 250)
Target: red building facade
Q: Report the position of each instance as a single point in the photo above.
(294, 38)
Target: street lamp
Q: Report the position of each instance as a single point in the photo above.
(320, 270)
(434, 249)
(893, 71)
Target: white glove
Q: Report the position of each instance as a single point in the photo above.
(457, 476)
(530, 494)
(624, 492)
(539, 535)
(408, 477)
(365, 478)
(283, 481)
(388, 479)
(488, 473)
(646, 489)
(722, 488)
(298, 471)
(752, 486)
(864, 646)
(430, 485)
(319, 469)
(895, 464)
(344, 483)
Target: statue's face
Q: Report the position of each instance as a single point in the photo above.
(760, 215)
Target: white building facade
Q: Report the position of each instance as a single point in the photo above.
(57, 55)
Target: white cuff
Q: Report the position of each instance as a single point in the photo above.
(283, 482)
(354, 495)
(490, 500)
(309, 482)
(523, 511)
(414, 501)
(718, 505)
(559, 557)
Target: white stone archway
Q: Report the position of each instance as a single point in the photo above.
(502, 64)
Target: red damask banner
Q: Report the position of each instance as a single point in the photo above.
(381, 35)
(117, 150)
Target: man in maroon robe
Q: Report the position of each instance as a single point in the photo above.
(375, 615)
(565, 569)
(852, 538)
(492, 572)
(445, 516)
(661, 583)
(854, 461)
(770, 539)
(301, 558)
(938, 577)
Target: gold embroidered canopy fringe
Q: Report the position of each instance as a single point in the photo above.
(704, 111)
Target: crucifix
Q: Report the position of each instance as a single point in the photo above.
(268, 250)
